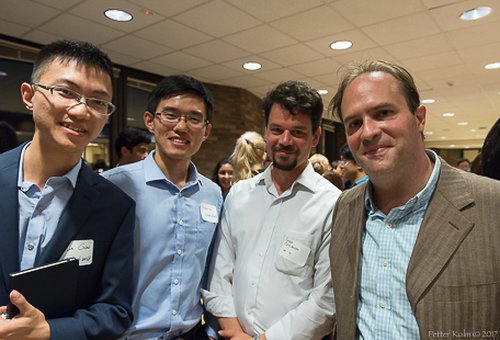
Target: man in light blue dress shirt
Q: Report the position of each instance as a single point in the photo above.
(177, 213)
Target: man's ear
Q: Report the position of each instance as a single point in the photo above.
(208, 130)
(149, 121)
(27, 95)
(316, 136)
(420, 115)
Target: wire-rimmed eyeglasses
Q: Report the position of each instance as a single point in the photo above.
(193, 120)
(69, 97)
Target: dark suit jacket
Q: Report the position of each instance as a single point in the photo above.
(453, 278)
(97, 210)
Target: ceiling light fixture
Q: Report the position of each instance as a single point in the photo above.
(252, 66)
(3, 74)
(448, 114)
(428, 101)
(463, 123)
(341, 45)
(475, 13)
(323, 92)
(492, 66)
(118, 15)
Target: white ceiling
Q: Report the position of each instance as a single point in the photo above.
(211, 39)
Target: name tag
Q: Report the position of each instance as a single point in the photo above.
(209, 213)
(81, 250)
(294, 251)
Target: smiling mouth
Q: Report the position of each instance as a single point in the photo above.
(74, 128)
(176, 140)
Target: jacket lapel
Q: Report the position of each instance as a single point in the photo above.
(441, 232)
(73, 217)
(9, 209)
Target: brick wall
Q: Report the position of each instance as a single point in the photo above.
(236, 111)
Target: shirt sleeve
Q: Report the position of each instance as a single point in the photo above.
(218, 297)
(316, 313)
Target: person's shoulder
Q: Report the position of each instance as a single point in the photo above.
(108, 190)
(209, 186)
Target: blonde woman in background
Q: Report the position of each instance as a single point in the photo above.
(248, 155)
(320, 163)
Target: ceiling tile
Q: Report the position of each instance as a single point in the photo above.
(172, 34)
(214, 72)
(32, 12)
(420, 47)
(372, 53)
(181, 61)
(366, 12)
(217, 18)
(42, 37)
(279, 75)
(130, 45)
(447, 17)
(312, 24)
(475, 36)
(252, 39)
(13, 29)
(217, 51)
(155, 68)
(291, 55)
(316, 67)
(166, 8)
(401, 29)
(81, 29)
(270, 10)
(120, 58)
(94, 10)
(433, 62)
(244, 81)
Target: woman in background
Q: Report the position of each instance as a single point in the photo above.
(248, 155)
(223, 175)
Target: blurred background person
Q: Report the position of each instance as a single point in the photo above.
(248, 155)
(320, 163)
(8, 137)
(463, 164)
(353, 174)
(223, 175)
(132, 145)
(490, 153)
(334, 178)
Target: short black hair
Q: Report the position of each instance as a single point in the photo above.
(84, 53)
(179, 84)
(8, 137)
(346, 153)
(462, 159)
(298, 98)
(131, 137)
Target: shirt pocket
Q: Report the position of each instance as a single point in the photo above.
(294, 254)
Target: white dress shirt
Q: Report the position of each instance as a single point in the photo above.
(271, 264)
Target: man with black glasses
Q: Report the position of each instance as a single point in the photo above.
(177, 213)
(54, 206)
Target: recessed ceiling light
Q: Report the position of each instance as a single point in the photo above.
(429, 133)
(3, 74)
(475, 13)
(448, 114)
(118, 15)
(463, 123)
(252, 66)
(323, 92)
(472, 130)
(443, 137)
(341, 45)
(492, 66)
(452, 145)
(428, 101)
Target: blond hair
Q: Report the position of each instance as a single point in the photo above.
(320, 163)
(249, 151)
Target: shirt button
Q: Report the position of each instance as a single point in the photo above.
(174, 312)
(389, 225)
(252, 283)
(385, 264)
(179, 252)
(382, 304)
(176, 282)
(181, 222)
(30, 246)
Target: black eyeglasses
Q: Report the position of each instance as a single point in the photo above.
(193, 120)
(66, 96)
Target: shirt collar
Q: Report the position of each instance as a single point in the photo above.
(152, 172)
(422, 198)
(71, 175)
(306, 179)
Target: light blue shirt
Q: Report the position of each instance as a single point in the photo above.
(384, 311)
(40, 211)
(173, 232)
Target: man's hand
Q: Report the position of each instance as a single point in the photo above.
(232, 334)
(29, 324)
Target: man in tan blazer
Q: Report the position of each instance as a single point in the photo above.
(415, 251)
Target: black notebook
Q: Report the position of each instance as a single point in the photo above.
(51, 288)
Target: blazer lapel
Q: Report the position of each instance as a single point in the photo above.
(9, 209)
(441, 232)
(73, 217)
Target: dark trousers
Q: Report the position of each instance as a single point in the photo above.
(196, 333)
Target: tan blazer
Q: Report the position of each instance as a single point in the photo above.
(453, 278)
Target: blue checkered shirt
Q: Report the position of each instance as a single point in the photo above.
(384, 311)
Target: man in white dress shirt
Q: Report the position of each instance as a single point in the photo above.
(269, 276)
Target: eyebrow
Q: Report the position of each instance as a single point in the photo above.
(176, 110)
(71, 83)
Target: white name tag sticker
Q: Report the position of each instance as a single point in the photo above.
(295, 251)
(81, 250)
(209, 213)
